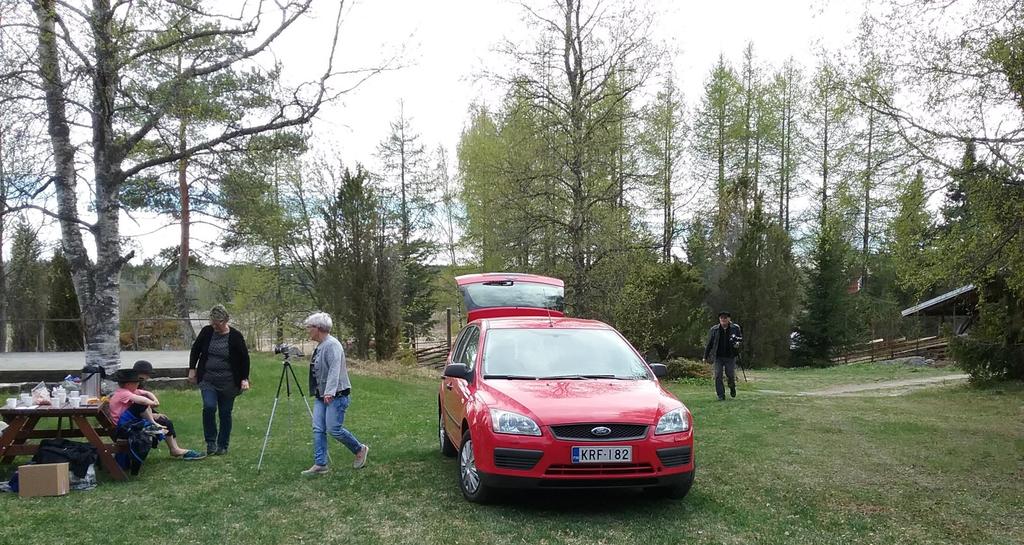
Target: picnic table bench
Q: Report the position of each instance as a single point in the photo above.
(22, 427)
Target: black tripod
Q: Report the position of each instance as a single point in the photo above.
(286, 368)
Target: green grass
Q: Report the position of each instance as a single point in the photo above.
(935, 466)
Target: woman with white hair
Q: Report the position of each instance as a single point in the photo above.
(329, 383)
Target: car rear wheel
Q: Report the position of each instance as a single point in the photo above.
(473, 488)
(447, 447)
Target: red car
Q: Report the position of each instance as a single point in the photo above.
(532, 399)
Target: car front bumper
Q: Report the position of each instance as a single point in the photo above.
(546, 462)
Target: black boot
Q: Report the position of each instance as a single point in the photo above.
(732, 390)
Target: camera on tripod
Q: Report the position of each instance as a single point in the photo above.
(735, 340)
(288, 350)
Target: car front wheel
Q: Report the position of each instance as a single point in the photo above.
(679, 490)
(473, 488)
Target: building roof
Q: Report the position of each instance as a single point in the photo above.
(958, 301)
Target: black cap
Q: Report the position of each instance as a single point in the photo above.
(724, 313)
(123, 376)
(143, 367)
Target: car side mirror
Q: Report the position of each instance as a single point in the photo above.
(458, 370)
(660, 370)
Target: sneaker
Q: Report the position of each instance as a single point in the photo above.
(360, 460)
(211, 450)
(193, 455)
(315, 470)
(221, 451)
(721, 398)
(732, 391)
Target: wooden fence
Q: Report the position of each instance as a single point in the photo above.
(433, 355)
(882, 349)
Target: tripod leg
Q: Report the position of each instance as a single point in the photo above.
(266, 438)
(301, 394)
(298, 386)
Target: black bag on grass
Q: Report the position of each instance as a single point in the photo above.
(79, 456)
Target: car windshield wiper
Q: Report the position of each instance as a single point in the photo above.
(577, 377)
(511, 377)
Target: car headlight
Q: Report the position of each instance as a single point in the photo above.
(513, 423)
(676, 421)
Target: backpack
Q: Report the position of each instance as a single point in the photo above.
(79, 456)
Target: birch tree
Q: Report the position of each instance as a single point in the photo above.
(90, 60)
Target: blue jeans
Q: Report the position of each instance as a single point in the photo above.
(327, 420)
(214, 403)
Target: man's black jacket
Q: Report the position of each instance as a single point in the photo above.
(711, 349)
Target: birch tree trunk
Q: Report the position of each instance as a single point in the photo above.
(3, 267)
(96, 284)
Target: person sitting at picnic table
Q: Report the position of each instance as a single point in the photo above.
(128, 404)
(145, 371)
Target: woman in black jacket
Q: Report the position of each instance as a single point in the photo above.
(219, 363)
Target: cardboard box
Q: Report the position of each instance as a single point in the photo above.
(43, 480)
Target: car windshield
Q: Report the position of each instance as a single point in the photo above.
(509, 293)
(560, 353)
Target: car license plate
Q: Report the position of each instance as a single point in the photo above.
(602, 455)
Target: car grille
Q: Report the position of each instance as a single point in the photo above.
(511, 458)
(673, 457)
(595, 470)
(583, 432)
(598, 483)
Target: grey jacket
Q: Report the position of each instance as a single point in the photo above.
(328, 372)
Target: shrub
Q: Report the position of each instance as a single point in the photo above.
(682, 368)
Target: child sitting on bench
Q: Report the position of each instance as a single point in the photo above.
(129, 404)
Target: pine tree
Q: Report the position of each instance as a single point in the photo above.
(761, 286)
(26, 290)
(663, 144)
(828, 122)
(65, 335)
(909, 235)
(719, 152)
(823, 325)
(404, 159)
(351, 218)
(784, 99)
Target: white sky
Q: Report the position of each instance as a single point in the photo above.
(443, 45)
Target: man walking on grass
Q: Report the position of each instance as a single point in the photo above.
(723, 346)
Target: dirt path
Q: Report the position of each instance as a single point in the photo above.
(887, 388)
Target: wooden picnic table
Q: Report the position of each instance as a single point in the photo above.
(22, 427)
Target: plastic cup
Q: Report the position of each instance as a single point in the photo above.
(26, 399)
(12, 402)
(74, 402)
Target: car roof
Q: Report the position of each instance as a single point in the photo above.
(541, 322)
(522, 277)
